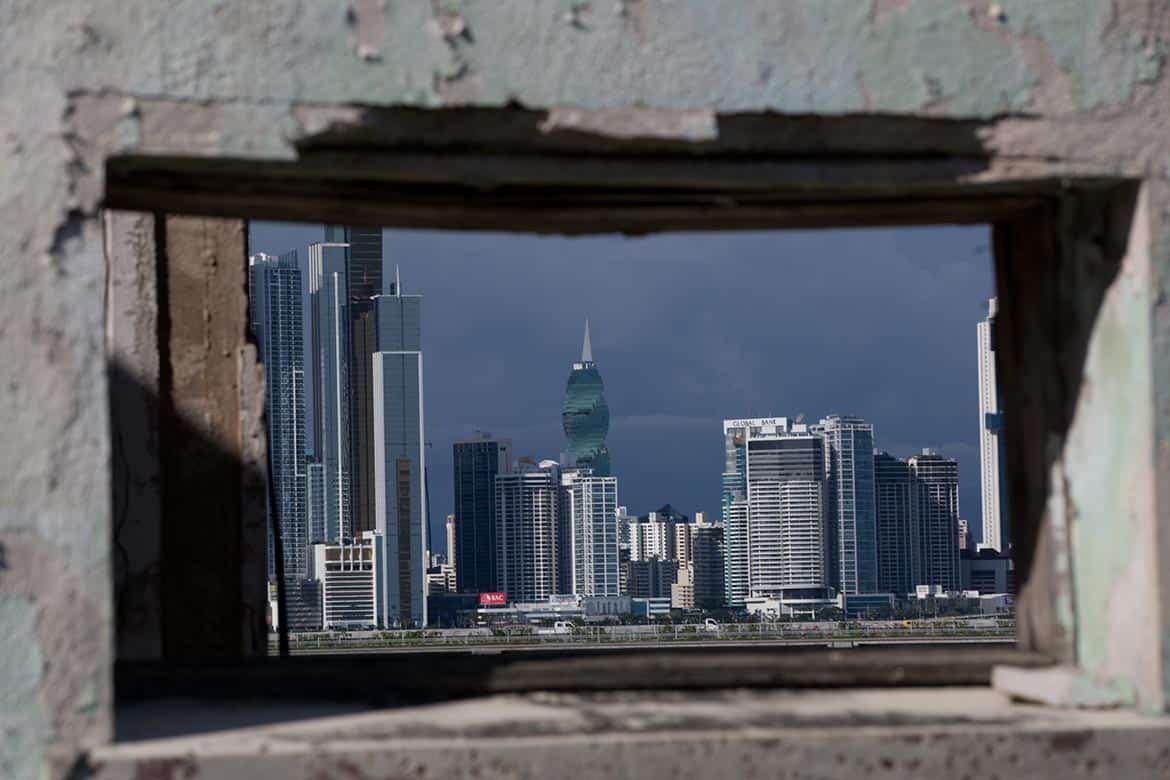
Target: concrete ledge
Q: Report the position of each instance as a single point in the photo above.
(906, 733)
(1056, 686)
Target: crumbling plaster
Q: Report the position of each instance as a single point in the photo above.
(1079, 84)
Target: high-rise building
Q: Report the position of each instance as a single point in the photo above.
(653, 536)
(918, 522)
(527, 505)
(451, 559)
(364, 279)
(991, 445)
(897, 570)
(590, 504)
(684, 544)
(651, 578)
(625, 524)
(315, 500)
(329, 314)
(586, 415)
(400, 455)
(936, 519)
(853, 528)
(706, 563)
(735, 510)
(477, 461)
(775, 504)
(682, 592)
(277, 321)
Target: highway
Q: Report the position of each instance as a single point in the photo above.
(575, 646)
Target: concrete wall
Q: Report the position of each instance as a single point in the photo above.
(1076, 86)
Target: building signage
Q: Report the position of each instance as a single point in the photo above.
(492, 599)
(756, 422)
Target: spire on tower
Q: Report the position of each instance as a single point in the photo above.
(397, 281)
(586, 348)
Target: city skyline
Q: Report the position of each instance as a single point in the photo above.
(523, 368)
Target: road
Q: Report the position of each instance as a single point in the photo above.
(840, 643)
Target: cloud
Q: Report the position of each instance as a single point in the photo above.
(691, 328)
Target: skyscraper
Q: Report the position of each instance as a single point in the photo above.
(735, 511)
(918, 522)
(706, 563)
(849, 451)
(586, 415)
(936, 518)
(451, 541)
(400, 455)
(477, 461)
(315, 499)
(277, 321)
(365, 282)
(775, 510)
(527, 505)
(896, 535)
(590, 504)
(656, 535)
(329, 313)
(991, 447)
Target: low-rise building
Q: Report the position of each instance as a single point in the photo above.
(606, 606)
(650, 608)
(987, 571)
(772, 607)
(440, 579)
(349, 575)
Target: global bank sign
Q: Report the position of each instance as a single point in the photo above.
(493, 599)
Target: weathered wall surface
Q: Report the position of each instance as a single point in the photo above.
(1078, 84)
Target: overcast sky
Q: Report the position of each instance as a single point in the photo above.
(689, 329)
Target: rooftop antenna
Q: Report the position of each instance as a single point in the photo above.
(586, 348)
(397, 282)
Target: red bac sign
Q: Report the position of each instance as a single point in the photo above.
(493, 599)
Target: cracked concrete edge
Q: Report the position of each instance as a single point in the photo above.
(1058, 686)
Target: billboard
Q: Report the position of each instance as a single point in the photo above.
(492, 599)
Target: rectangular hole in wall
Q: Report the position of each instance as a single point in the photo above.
(793, 436)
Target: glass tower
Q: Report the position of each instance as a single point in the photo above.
(849, 450)
(364, 280)
(935, 519)
(277, 321)
(477, 461)
(894, 493)
(329, 310)
(399, 444)
(586, 415)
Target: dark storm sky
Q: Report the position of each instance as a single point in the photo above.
(688, 329)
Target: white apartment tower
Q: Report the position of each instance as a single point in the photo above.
(775, 510)
(590, 505)
(527, 504)
(990, 436)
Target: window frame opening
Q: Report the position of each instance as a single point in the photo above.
(631, 190)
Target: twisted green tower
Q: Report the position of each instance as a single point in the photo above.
(586, 414)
